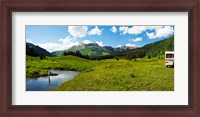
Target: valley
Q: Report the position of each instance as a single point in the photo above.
(107, 75)
(106, 68)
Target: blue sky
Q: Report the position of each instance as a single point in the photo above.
(54, 38)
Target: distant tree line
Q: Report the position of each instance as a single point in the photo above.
(101, 57)
(31, 51)
(76, 53)
(42, 56)
(130, 54)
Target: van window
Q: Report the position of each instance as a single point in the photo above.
(169, 55)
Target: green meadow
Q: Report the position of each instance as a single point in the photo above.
(106, 75)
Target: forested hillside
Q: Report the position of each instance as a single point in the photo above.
(156, 49)
(33, 50)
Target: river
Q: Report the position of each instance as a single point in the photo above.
(47, 83)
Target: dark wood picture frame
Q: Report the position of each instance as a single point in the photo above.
(190, 6)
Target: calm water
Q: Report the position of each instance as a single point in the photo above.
(47, 83)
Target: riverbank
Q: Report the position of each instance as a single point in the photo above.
(37, 67)
(43, 75)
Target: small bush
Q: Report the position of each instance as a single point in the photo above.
(149, 56)
(132, 75)
(36, 72)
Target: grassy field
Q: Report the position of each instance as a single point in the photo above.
(107, 75)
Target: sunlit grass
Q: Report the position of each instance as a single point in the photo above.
(108, 75)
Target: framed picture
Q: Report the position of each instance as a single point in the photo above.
(100, 58)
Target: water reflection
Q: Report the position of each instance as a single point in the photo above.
(49, 79)
(49, 82)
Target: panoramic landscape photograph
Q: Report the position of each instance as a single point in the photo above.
(99, 58)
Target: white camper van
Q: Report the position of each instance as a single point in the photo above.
(169, 58)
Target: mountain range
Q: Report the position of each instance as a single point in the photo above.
(93, 49)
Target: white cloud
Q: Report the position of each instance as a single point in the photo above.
(95, 31)
(78, 31)
(161, 32)
(151, 35)
(87, 41)
(137, 30)
(132, 30)
(136, 39)
(68, 40)
(123, 29)
(65, 44)
(132, 45)
(165, 31)
(29, 41)
(113, 29)
(51, 46)
(82, 31)
(100, 43)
